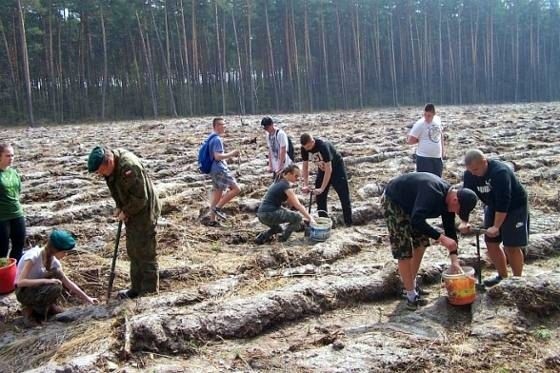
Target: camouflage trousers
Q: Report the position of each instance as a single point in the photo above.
(40, 298)
(141, 249)
(402, 236)
(282, 215)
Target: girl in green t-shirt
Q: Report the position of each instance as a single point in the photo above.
(12, 221)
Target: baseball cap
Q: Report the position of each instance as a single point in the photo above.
(467, 202)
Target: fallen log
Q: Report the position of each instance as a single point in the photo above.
(194, 271)
(361, 215)
(377, 158)
(180, 330)
(533, 294)
(324, 252)
(543, 246)
(371, 190)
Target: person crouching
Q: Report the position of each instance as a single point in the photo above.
(272, 214)
(40, 278)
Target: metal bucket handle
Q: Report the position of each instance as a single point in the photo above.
(326, 212)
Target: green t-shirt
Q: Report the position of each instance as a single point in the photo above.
(10, 189)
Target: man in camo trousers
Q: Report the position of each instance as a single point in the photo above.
(139, 207)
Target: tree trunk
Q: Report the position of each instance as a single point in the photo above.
(105, 77)
(308, 60)
(250, 75)
(195, 58)
(325, 58)
(166, 58)
(393, 63)
(358, 52)
(219, 51)
(149, 71)
(341, 58)
(60, 75)
(440, 44)
(168, 64)
(240, 82)
(186, 58)
(295, 55)
(50, 64)
(272, 68)
(10, 66)
(25, 61)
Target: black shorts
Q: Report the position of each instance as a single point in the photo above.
(429, 164)
(514, 232)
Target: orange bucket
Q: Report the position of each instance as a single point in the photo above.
(461, 288)
(8, 276)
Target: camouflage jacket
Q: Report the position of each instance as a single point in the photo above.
(131, 187)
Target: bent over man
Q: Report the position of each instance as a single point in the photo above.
(139, 207)
(408, 201)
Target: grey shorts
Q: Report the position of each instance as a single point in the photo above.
(514, 232)
(222, 180)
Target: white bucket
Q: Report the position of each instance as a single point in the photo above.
(320, 230)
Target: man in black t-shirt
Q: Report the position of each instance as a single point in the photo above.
(408, 201)
(506, 211)
(331, 171)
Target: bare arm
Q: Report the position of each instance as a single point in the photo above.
(305, 173)
(281, 158)
(327, 177)
(221, 156)
(23, 282)
(75, 289)
(499, 218)
(411, 140)
(270, 160)
(294, 202)
(442, 145)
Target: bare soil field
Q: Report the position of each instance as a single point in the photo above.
(226, 304)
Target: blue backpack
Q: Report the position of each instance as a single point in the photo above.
(205, 159)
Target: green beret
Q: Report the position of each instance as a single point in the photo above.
(95, 158)
(62, 240)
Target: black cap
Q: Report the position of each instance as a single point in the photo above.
(467, 202)
(267, 121)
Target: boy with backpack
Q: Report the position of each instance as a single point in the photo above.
(212, 160)
(280, 147)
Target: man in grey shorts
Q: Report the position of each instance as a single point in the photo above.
(506, 212)
(224, 186)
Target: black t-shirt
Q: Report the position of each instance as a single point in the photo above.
(499, 188)
(274, 197)
(421, 195)
(322, 152)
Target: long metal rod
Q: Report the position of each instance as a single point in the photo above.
(114, 262)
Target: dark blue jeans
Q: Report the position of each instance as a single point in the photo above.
(12, 230)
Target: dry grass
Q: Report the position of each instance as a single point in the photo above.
(54, 343)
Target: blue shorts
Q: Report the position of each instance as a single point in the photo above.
(514, 232)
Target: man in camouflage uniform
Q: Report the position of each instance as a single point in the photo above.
(138, 206)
